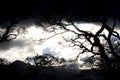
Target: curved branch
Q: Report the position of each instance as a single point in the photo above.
(5, 36)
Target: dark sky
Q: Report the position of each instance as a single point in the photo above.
(17, 8)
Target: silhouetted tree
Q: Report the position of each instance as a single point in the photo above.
(42, 61)
(107, 52)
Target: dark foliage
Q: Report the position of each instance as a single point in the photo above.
(43, 60)
(18, 70)
(46, 9)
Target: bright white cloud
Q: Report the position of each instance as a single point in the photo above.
(56, 45)
(89, 27)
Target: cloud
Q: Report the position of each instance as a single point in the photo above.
(27, 44)
(12, 44)
(21, 47)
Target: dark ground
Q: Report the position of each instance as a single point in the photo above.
(21, 71)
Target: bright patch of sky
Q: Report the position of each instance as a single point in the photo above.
(29, 43)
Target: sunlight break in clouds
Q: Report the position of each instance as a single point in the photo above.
(29, 44)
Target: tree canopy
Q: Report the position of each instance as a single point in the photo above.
(11, 10)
